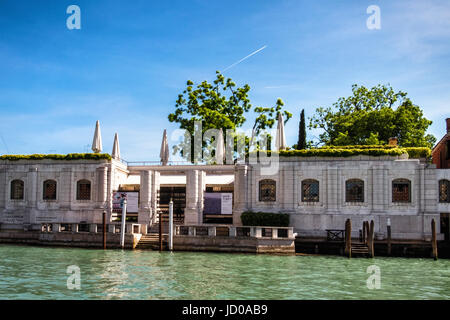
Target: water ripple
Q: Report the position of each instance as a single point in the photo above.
(40, 273)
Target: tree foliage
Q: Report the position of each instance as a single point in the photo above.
(372, 116)
(221, 105)
(301, 144)
(70, 156)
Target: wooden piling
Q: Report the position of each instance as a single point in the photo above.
(389, 246)
(363, 239)
(348, 238)
(370, 239)
(364, 235)
(104, 229)
(160, 232)
(433, 239)
(366, 224)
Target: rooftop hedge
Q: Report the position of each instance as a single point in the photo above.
(374, 146)
(70, 156)
(418, 152)
(350, 151)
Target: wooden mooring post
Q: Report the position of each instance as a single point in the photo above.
(364, 236)
(370, 238)
(433, 239)
(366, 227)
(160, 232)
(348, 238)
(104, 229)
(389, 246)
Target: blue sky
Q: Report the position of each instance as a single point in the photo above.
(130, 60)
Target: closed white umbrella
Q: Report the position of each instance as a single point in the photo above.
(116, 149)
(220, 148)
(97, 141)
(280, 142)
(164, 153)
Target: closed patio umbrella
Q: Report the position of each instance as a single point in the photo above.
(164, 153)
(220, 148)
(280, 142)
(116, 149)
(97, 141)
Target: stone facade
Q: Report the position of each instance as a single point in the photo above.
(31, 208)
(410, 219)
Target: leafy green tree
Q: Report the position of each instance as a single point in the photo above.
(221, 105)
(372, 116)
(301, 144)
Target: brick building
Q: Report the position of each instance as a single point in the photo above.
(441, 152)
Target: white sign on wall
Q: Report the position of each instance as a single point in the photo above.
(132, 201)
(227, 203)
(218, 203)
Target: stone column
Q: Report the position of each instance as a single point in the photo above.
(192, 189)
(65, 189)
(431, 193)
(155, 186)
(240, 193)
(32, 187)
(378, 186)
(145, 196)
(333, 187)
(110, 179)
(102, 186)
(201, 195)
(3, 187)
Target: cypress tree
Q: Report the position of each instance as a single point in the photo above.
(301, 144)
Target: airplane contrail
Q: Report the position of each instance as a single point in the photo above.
(4, 142)
(251, 54)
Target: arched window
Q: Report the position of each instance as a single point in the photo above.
(17, 190)
(354, 190)
(444, 191)
(83, 190)
(401, 190)
(267, 190)
(49, 190)
(310, 190)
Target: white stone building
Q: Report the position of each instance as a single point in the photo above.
(319, 194)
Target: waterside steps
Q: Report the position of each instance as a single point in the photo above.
(151, 241)
(360, 249)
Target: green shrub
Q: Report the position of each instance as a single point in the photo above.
(375, 146)
(418, 152)
(350, 151)
(70, 156)
(265, 219)
(344, 152)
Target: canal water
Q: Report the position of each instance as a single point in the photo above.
(41, 273)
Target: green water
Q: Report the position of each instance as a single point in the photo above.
(40, 273)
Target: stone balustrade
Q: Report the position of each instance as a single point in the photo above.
(130, 228)
(234, 231)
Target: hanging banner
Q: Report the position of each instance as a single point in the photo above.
(218, 203)
(227, 203)
(132, 201)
